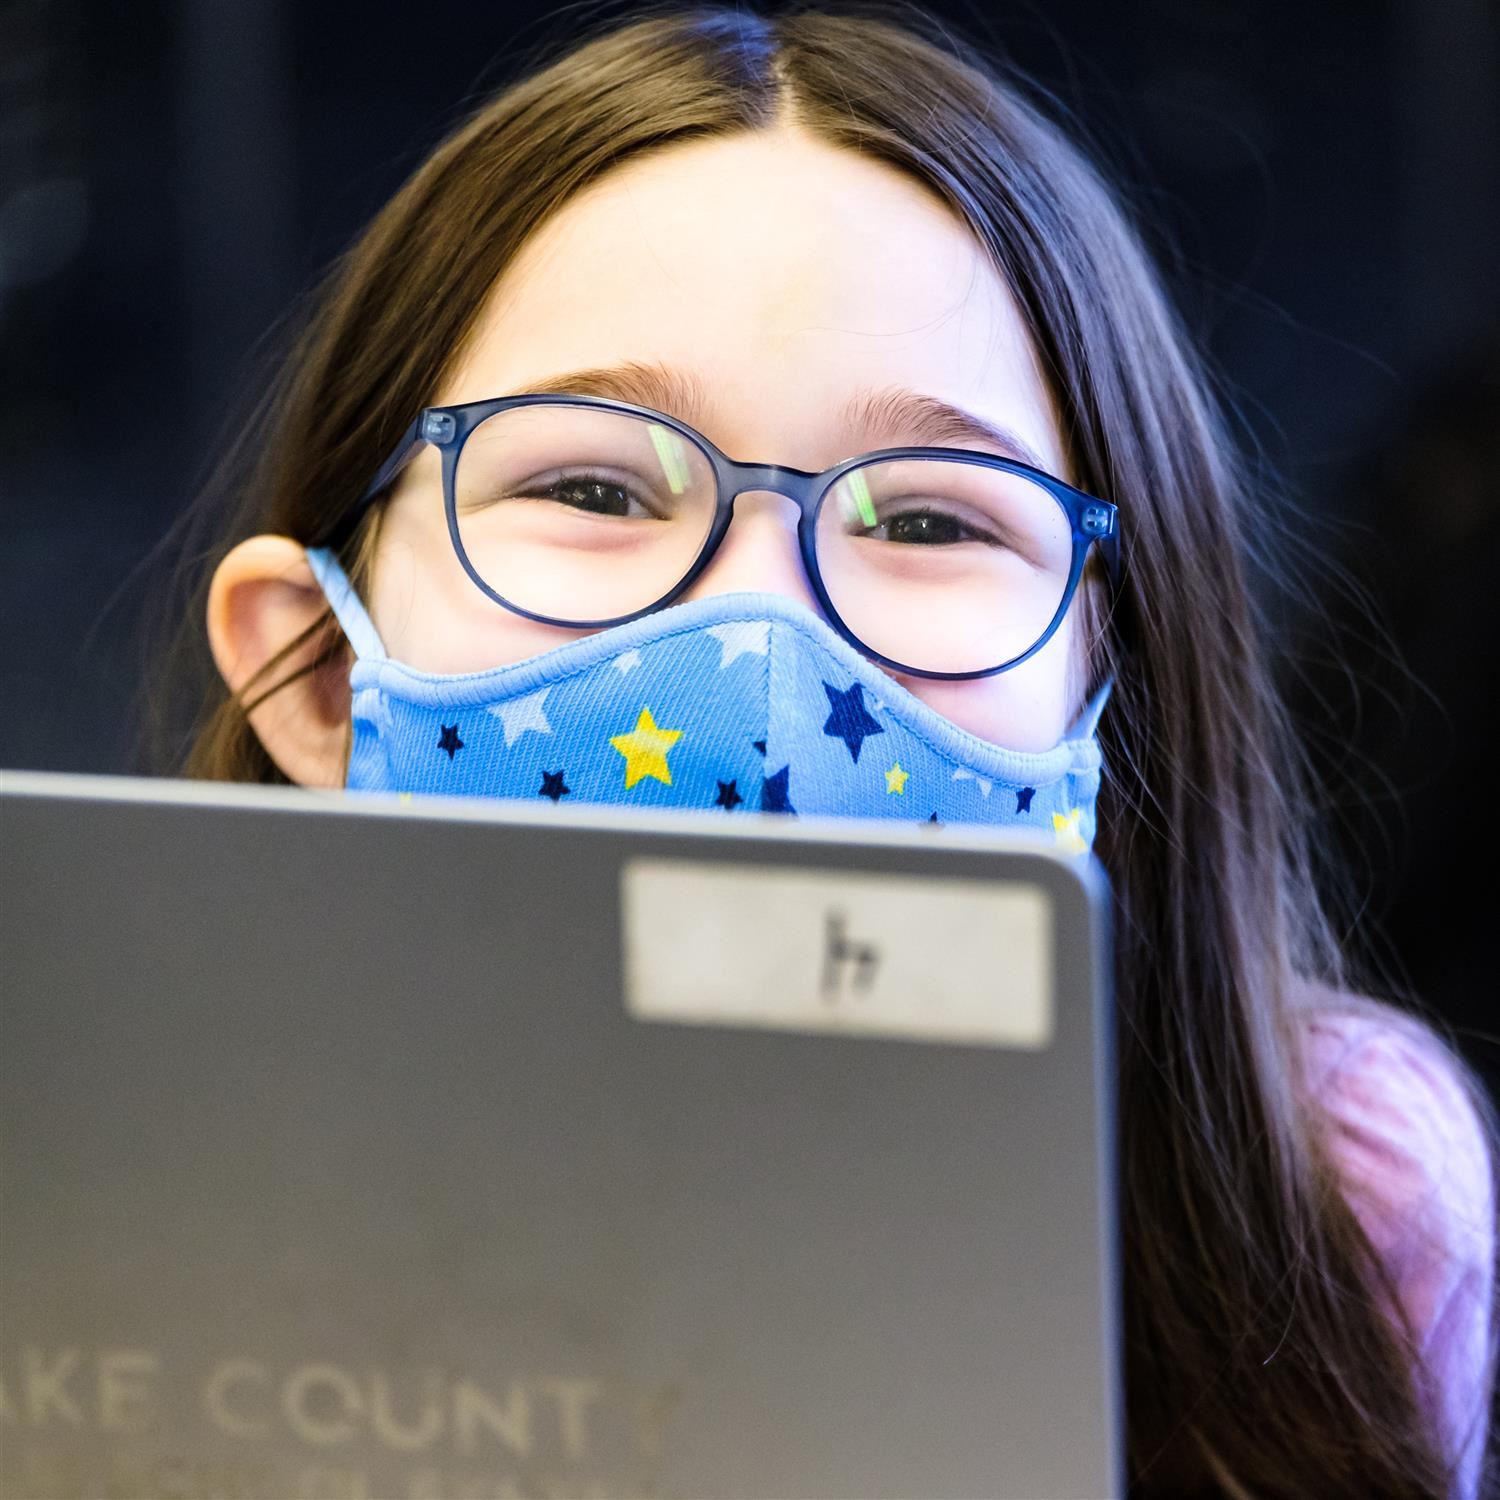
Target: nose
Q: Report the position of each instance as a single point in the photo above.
(759, 553)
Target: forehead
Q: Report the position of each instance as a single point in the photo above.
(783, 274)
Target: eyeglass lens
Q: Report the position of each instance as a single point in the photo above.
(582, 514)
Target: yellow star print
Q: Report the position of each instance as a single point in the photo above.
(1066, 829)
(896, 779)
(645, 750)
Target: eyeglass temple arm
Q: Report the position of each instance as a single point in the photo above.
(1110, 546)
(406, 450)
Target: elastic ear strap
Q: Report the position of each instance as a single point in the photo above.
(345, 604)
(1088, 721)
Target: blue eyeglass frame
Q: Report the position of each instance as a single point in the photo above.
(448, 428)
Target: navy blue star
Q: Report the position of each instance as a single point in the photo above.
(552, 786)
(450, 740)
(759, 745)
(850, 720)
(934, 821)
(775, 792)
(1023, 798)
(729, 795)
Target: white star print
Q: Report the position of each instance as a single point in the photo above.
(628, 662)
(523, 714)
(741, 638)
(984, 786)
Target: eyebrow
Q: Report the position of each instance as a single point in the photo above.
(923, 421)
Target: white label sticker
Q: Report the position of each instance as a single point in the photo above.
(933, 960)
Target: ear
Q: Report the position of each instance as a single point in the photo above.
(263, 596)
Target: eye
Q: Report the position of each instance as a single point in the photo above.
(592, 493)
(927, 527)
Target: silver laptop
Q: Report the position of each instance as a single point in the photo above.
(367, 1147)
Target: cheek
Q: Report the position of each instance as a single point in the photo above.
(1029, 707)
(432, 616)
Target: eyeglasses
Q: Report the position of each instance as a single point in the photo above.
(586, 512)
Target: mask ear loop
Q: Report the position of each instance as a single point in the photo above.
(1086, 726)
(345, 604)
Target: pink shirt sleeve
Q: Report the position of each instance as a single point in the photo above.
(1417, 1173)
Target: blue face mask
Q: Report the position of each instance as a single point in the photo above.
(740, 702)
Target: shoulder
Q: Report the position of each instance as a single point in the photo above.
(1404, 1127)
(1409, 1137)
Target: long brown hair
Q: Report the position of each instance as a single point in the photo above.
(1256, 1360)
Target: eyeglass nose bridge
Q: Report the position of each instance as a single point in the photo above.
(801, 486)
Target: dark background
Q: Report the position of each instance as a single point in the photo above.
(1324, 177)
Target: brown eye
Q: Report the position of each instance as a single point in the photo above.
(601, 497)
(594, 494)
(932, 527)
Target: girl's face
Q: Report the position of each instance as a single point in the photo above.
(793, 288)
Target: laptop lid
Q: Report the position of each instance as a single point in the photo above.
(369, 1147)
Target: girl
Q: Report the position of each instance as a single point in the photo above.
(505, 438)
